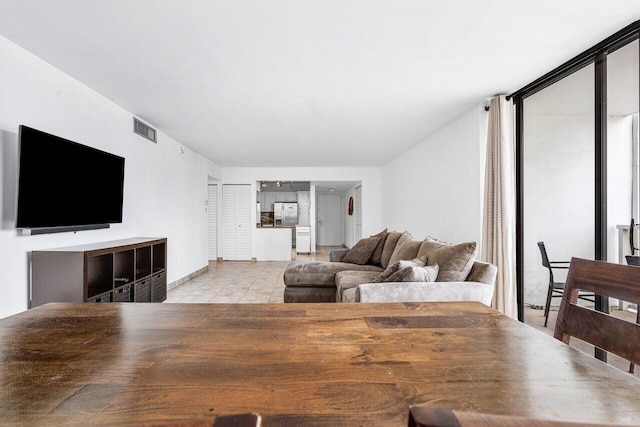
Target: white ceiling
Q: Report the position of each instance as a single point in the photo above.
(306, 82)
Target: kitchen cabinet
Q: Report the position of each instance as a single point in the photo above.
(273, 244)
(290, 197)
(304, 208)
(268, 198)
(303, 239)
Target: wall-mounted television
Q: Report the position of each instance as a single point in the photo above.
(66, 186)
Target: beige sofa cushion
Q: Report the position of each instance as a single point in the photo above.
(350, 279)
(455, 260)
(397, 266)
(421, 292)
(406, 248)
(349, 295)
(320, 274)
(377, 254)
(483, 272)
(415, 274)
(362, 251)
(389, 245)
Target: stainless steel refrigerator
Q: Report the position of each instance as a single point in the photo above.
(285, 213)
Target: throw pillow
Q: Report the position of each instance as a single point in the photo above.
(407, 248)
(415, 274)
(455, 260)
(377, 253)
(389, 245)
(396, 266)
(361, 251)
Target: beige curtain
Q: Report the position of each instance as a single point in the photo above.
(499, 214)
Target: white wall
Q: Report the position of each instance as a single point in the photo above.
(165, 191)
(435, 188)
(369, 176)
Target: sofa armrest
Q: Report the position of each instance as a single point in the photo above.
(425, 292)
(483, 272)
(337, 255)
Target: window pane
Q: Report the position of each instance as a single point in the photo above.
(622, 143)
(558, 181)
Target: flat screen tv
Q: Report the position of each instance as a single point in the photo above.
(64, 186)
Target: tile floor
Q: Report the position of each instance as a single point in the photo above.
(240, 281)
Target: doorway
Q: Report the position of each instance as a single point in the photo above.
(329, 220)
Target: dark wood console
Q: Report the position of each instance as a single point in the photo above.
(129, 270)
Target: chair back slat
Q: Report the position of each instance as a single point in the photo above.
(614, 280)
(603, 331)
(600, 329)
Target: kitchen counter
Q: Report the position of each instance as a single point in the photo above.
(273, 243)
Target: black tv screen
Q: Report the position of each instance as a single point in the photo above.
(64, 184)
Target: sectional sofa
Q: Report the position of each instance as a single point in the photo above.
(393, 267)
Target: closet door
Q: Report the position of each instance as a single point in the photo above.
(243, 239)
(236, 213)
(212, 214)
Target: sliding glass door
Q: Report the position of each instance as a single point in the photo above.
(623, 73)
(577, 164)
(559, 161)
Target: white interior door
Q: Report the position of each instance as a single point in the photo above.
(236, 217)
(329, 230)
(243, 240)
(212, 214)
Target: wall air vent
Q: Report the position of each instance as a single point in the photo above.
(144, 130)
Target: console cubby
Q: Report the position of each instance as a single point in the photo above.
(99, 274)
(159, 287)
(142, 291)
(123, 267)
(143, 262)
(116, 271)
(102, 298)
(159, 257)
(123, 294)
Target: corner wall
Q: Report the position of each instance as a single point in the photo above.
(165, 190)
(435, 188)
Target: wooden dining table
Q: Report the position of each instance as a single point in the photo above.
(295, 365)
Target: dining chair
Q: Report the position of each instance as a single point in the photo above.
(556, 289)
(437, 417)
(600, 329)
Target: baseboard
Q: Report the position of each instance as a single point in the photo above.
(180, 281)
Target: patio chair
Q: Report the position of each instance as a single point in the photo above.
(556, 289)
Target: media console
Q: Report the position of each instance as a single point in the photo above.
(129, 270)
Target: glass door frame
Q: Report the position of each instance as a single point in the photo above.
(596, 55)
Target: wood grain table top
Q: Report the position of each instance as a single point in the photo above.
(295, 364)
